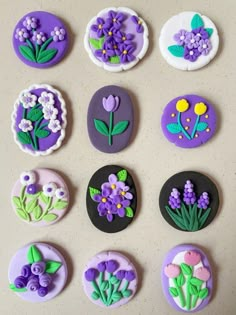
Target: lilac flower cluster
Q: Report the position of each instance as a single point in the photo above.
(195, 43)
(189, 194)
(203, 201)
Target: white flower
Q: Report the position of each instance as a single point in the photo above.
(46, 98)
(60, 193)
(54, 125)
(50, 112)
(25, 125)
(28, 100)
(49, 189)
(27, 178)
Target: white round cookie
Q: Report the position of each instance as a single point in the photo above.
(180, 22)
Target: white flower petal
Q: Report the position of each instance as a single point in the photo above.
(60, 193)
(27, 178)
(49, 189)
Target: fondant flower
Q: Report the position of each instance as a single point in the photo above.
(202, 274)
(105, 53)
(204, 46)
(31, 23)
(192, 40)
(26, 271)
(130, 275)
(124, 191)
(45, 279)
(180, 37)
(49, 189)
(113, 184)
(111, 103)
(203, 201)
(200, 108)
(192, 258)
(126, 53)
(120, 275)
(182, 105)
(49, 112)
(31, 189)
(27, 178)
(25, 125)
(39, 37)
(172, 271)
(60, 193)
(46, 99)
(106, 211)
(174, 199)
(189, 194)
(20, 282)
(109, 33)
(58, 34)
(91, 274)
(201, 33)
(104, 206)
(28, 100)
(38, 268)
(115, 47)
(191, 54)
(139, 24)
(111, 265)
(119, 204)
(42, 291)
(117, 18)
(33, 285)
(21, 34)
(101, 266)
(101, 26)
(121, 37)
(54, 125)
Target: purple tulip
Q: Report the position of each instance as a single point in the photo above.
(111, 265)
(20, 282)
(42, 291)
(130, 275)
(38, 268)
(101, 266)
(111, 103)
(33, 285)
(91, 274)
(120, 274)
(44, 280)
(26, 271)
(31, 189)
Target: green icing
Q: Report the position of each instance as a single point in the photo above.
(197, 21)
(209, 31)
(93, 191)
(176, 50)
(122, 175)
(33, 255)
(52, 266)
(13, 288)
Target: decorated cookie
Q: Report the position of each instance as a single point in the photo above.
(111, 199)
(189, 201)
(39, 120)
(187, 278)
(37, 272)
(110, 279)
(110, 119)
(189, 41)
(116, 39)
(40, 197)
(40, 39)
(189, 121)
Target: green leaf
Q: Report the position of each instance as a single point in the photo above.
(193, 218)
(93, 191)
(177, 220)
(45, 44)
(37, 211)
(33, 255)
(116, 296)
(114, 280)
(115, 59)
(17, 202)
(21, 213)
(35, 114)
(193, 290)
(173, 128)
(104, 285)
(122, 175)
(195, 281)
(13, 288)
(44, 198)
(60, 204)
(209, 31)
(180, 280)
(204, 218)
(42, 133)
(129, 212)
(185, 216)
(197, 21)
(202, 126)
(203, 293)
(46, 55)
(52, 266)
(120, 127)
(50, 217)
(186, 269)
(95, 43)
(31, 205)
(95, 296)
(27, 53)
(176, 50)
(101, 127)
(24, 137)
(173, 291)
(127, 293)
(101, 42)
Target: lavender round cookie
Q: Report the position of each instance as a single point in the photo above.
(116, 39)
(110, 119)
(40, 39)
(40, 197)
(187, 278)
(39, 120)
(189, 121)
(110, 279)
(37, 272)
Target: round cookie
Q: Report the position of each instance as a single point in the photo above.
(189, 201)
(110, 119)
(110, 279)
(189, 121)
(39, 120)
(40, 197)
(187, 278)
(189, 41)
(116, 39)
(40, 39)
(37, 272)
(111, 199)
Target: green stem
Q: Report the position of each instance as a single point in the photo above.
(177, 210)
(195, 127)
(30, 44)
(110, 289)
(44, 125)
(47, 209)
(180, 292)
(116, 286)
(110, 127)
(188, 295)
(125, 286)
(103, 296)
(22, 195)
(182, 128)
(37, 51)
(199, 213)
(24, 113)
(96, 289)
(195, 298)
(36, 147)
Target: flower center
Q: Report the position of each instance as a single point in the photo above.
(104, 51)
(191, 53)
(57, 33)
(198, 34)
(113, 186)
(114, 20)
(123, 38)
(115, 46)
(140, 22)
(110, 33)
(182, 37)
(192, 40)
(100, 26)
(119, 206)
(104, 200)
(204, 46)
(20, 33)
(123, 193)
(26, 177)
(125, 52)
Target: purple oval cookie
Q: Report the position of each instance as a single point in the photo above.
(187, 278)
(39, 120)
(189, 121)
(40, 39)
(37, 272)
(40, 197)
(110, 279)
(110, 119)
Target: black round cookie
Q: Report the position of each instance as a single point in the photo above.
(111, 199)
(189, 201)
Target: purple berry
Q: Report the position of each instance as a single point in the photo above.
(38, 268)
(42, 291)
(20, 282)
(26, 271)
(44, 280)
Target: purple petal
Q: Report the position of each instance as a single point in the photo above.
(129, 36)
(113, 209)
(110, 53)
(135, 19)
(140, 28)
(106, 192)
(128, 196)
(100, 20)
(117, 199)
(100, 32)
(121, 212)
(130, 57)
(125, 203)
(98, 53)
(112, 178)
(120, 16)
(106, 185)
(110, 217)
(112, 14)
(94, 28)
(97, 198)
(101, 207)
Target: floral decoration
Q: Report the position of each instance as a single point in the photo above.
(35, 204)
(191, 45)
(37, 275)
(114, 198)
(110, 283)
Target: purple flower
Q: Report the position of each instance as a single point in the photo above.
(114, 46)
(113, 184)
(20, 282)
(101, 26)
(91, 274)
(204, 46)
(191, 54)
(130, 275)
(45, 279)
(39, 37)
(189, 194)
(174, 199)
(26, 271)
(119, 205)
(110, 33)
(126, 53)
(120, 274)
(192, 40)
(124, 191)
(111, 265)
(203, 201)
(30, 23)
(38, 268)
(101, 266)
(105, 53)
(42, 291)
(139, 24)
(58, 34)
(21, 34)
(201, 33)
(121, 37)
(181, 37)
(111, 103)
(104, 201)
(33, 284)
(32, 189)
(117, 18)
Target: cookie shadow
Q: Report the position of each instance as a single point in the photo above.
(138, 191)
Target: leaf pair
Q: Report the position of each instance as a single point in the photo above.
(102, 127)
(175, 128)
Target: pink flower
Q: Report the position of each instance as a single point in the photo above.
(172, 271)
(192, 258)
(202, 274)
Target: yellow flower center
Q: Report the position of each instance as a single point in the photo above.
(140, 22)
(110, 33)
(119, 206)
(123, 38)
(200, 108)
(100, 26)
(125, 52)
(115, 46)
(104, 200)
(182, 105)
(114, 20)
(123, 193)
(113, 186)
(104, 51)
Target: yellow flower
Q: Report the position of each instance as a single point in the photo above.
(200, 108)
(182, 105)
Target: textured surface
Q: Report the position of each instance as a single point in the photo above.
(150, 157)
